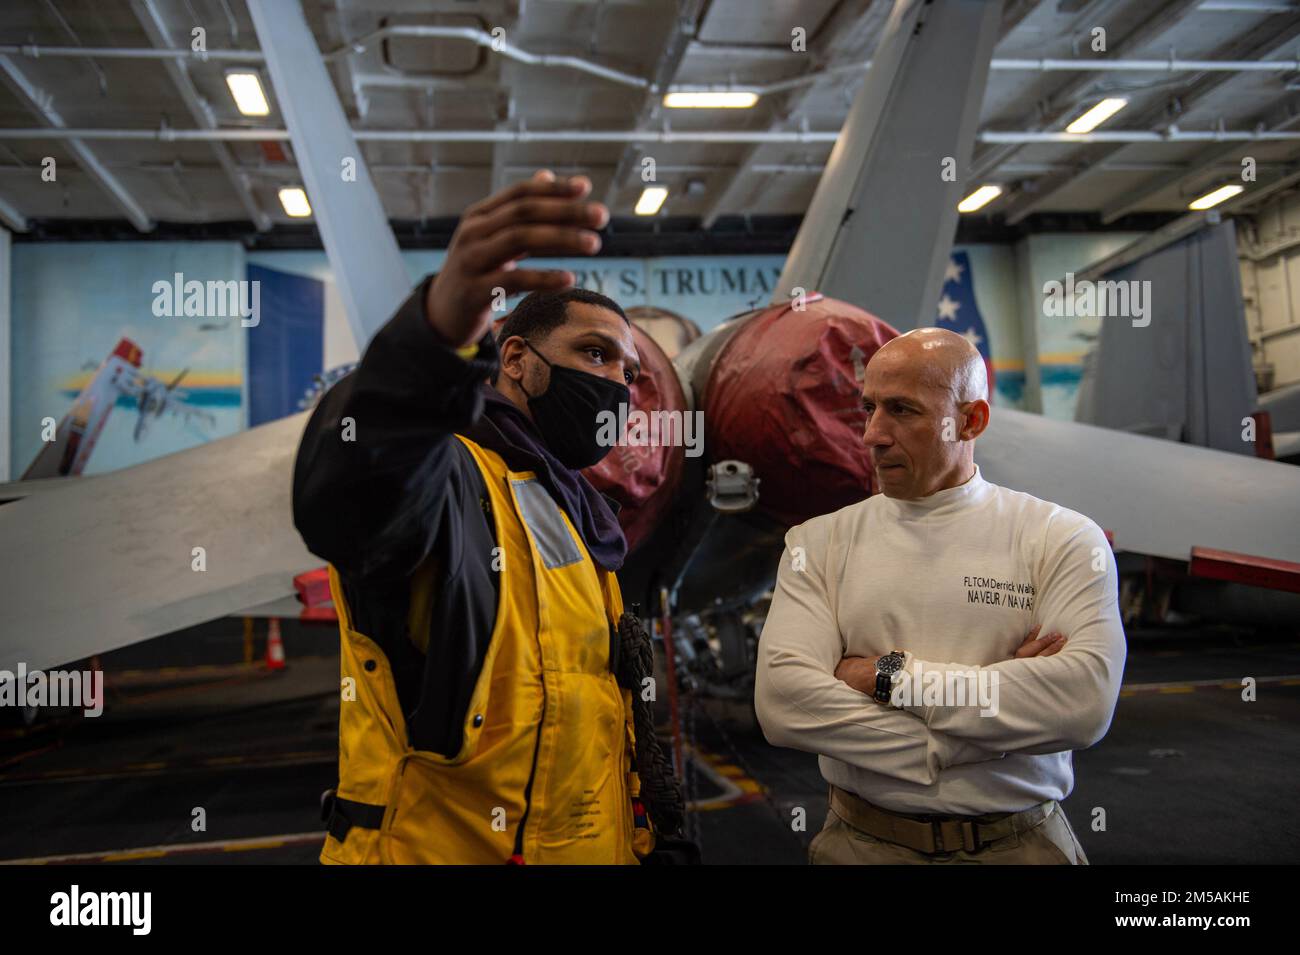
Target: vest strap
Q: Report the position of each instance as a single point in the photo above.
(341, 815)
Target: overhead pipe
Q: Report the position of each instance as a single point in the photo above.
(1246, 6)
(435, 135)
(473, 35)
(1014, 64)
(167, 135)
(281, 171)
(486, 40)
(36, 51)
(1140, 136)
(550, 60)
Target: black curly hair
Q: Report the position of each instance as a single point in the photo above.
(540, 313)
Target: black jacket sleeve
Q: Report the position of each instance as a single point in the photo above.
(376, 457)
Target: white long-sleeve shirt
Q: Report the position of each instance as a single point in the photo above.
(956, 580)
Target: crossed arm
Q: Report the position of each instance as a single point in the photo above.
(1064, 701)
(801, 704)
(1050, 698)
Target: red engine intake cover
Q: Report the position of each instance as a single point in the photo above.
(644, 479)
(785, 396)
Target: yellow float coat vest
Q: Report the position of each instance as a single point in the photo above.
(548, 741)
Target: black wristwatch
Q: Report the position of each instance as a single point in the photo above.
(886, 667)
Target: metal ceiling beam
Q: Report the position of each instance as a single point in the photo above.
(36, 51)
(355, 81)
(41, 105)
(578, 135)
(1013, 14)
(880, 226)
(1250, 200)
(1046, 64)
(286, 171)
(508, 121)
(567, 168)
(12, 219)
(1183, 226)
(680, 37)
(1149, 244)
(1247, 6)
(155, 28)
(1206, 162)
(1060, 103)
(362, 251)
(350, 94)
(480, 37)
(1258, 44)
(850, 33)
(500, 168)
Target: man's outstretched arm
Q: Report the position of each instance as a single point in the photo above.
(376, 461)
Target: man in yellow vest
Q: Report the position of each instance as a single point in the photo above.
(488, 713)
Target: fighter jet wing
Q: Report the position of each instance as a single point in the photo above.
(189, 414)
(93, 566)
(17, 490)
(1156, 497)
(1284, 406)
(174, 402)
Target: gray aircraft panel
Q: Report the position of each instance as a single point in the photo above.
(1283, 405)
(284, 607)
(17, 490)
(1286, 443)
(98, 565)
(880, 225)
(1184, 369)
(1157, 497)
(363, 254)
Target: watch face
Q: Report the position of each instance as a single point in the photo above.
(889, 664)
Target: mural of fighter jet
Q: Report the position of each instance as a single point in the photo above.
(154, 398)
(74, 437)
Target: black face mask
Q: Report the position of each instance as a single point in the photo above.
(568, 413)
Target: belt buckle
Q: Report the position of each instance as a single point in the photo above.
(936, 834)
(970, 837)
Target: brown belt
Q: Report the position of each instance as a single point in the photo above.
(932, 833)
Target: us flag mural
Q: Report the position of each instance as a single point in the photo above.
(958, 312)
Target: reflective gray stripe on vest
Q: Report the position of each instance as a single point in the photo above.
(546, 523)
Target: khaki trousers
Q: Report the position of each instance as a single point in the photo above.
(1050, 842)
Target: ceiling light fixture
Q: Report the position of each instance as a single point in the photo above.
(980, 198)
(1097, 115)
(1211, 199)
(246, 88)
(710, 99)
(651, 199)
(295, 203)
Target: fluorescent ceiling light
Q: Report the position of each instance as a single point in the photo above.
(704, 99)
(980, 198)
(651, 199)
(1097, 115)
(246, 88)
(295, 202)
(1211, 199)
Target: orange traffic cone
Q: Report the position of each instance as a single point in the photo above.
(274, 646)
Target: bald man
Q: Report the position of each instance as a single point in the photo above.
(945, 644)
